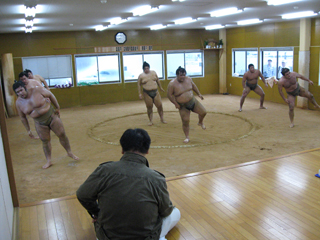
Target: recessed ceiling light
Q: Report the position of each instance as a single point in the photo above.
(280, 2)
(299, 15)
(225, 12)
(103, 1)
(145, 9)
(28, 29)
(157, 27)
(71, 24)
(212, 27)
(249, 21)
(184, 20)
(30, 11)
(178, 0)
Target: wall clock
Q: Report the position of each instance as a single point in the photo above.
(120, 37)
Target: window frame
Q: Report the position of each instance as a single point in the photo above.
(246, 60)
(184, 52)
(97, 55)
(277, 49)
(143, 53)
(52, 56)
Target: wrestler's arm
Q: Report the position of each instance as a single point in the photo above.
(47, 94)
(304, 78)
(44, 82)
(263, 79)
(195, 88)
(244, 79)
(158, 82)
(139, 86)
(170, 95)
(24, 121)
(281, 93)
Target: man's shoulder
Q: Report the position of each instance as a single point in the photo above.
(106, 163)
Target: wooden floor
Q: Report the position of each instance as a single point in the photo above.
(276, 198)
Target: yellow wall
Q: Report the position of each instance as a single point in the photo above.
(314, 59)
(59, 43)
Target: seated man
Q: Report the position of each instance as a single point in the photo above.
(127, 199)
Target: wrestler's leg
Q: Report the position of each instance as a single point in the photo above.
(185, 118)
(245, 93)
(57, 127)
(44, 135)
(309, 95)
(291, 100)
(158, 103)
(149, 104)
(199, 108)
(260, 92)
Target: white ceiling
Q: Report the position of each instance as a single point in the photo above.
(59, 15)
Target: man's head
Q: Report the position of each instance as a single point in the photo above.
(135, 140)
(20, 89)
(23, 76)
(269, 62)
(181, 73)
(251, 67)
(29, 73)
(146, 67)
(285, 72)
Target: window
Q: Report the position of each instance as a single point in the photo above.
(192, 61)
(274, 59)
(132, 64)
(241, 58)
(96, 69)
(56, 70)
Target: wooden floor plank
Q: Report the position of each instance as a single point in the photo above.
(273, 199)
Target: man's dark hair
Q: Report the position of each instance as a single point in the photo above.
(18, 84)
(145, 64)
(27, 71)
(250, 65)
(180, 70)
(284, 71)
(23, 74)
(135, 140)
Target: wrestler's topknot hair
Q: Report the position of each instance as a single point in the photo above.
(180, 70)
(145, 64)
(23, 74)
(18, 84)
(284, 71)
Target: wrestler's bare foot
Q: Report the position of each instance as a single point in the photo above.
(150, 123)
(262, 107)
(202, 126)
(291, 125)
(186, 140)
(240, 110)
(47, 165)
(73, 156)
(163, 121)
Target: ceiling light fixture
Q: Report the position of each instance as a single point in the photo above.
(299, 15)
(225, 12)
(117, 20)
(145, 9)
(30, 11)
(212, 27)
(280, 2)
(28, 29)
(28, 23)
(249, 21)
(157, 27)
(103, 1)
(178, 0)
(100, 28)
(184, 20)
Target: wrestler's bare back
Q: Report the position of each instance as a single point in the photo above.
(289, 84)
(183, 91)
(148, 80)
(252, 77)
(35, 105)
